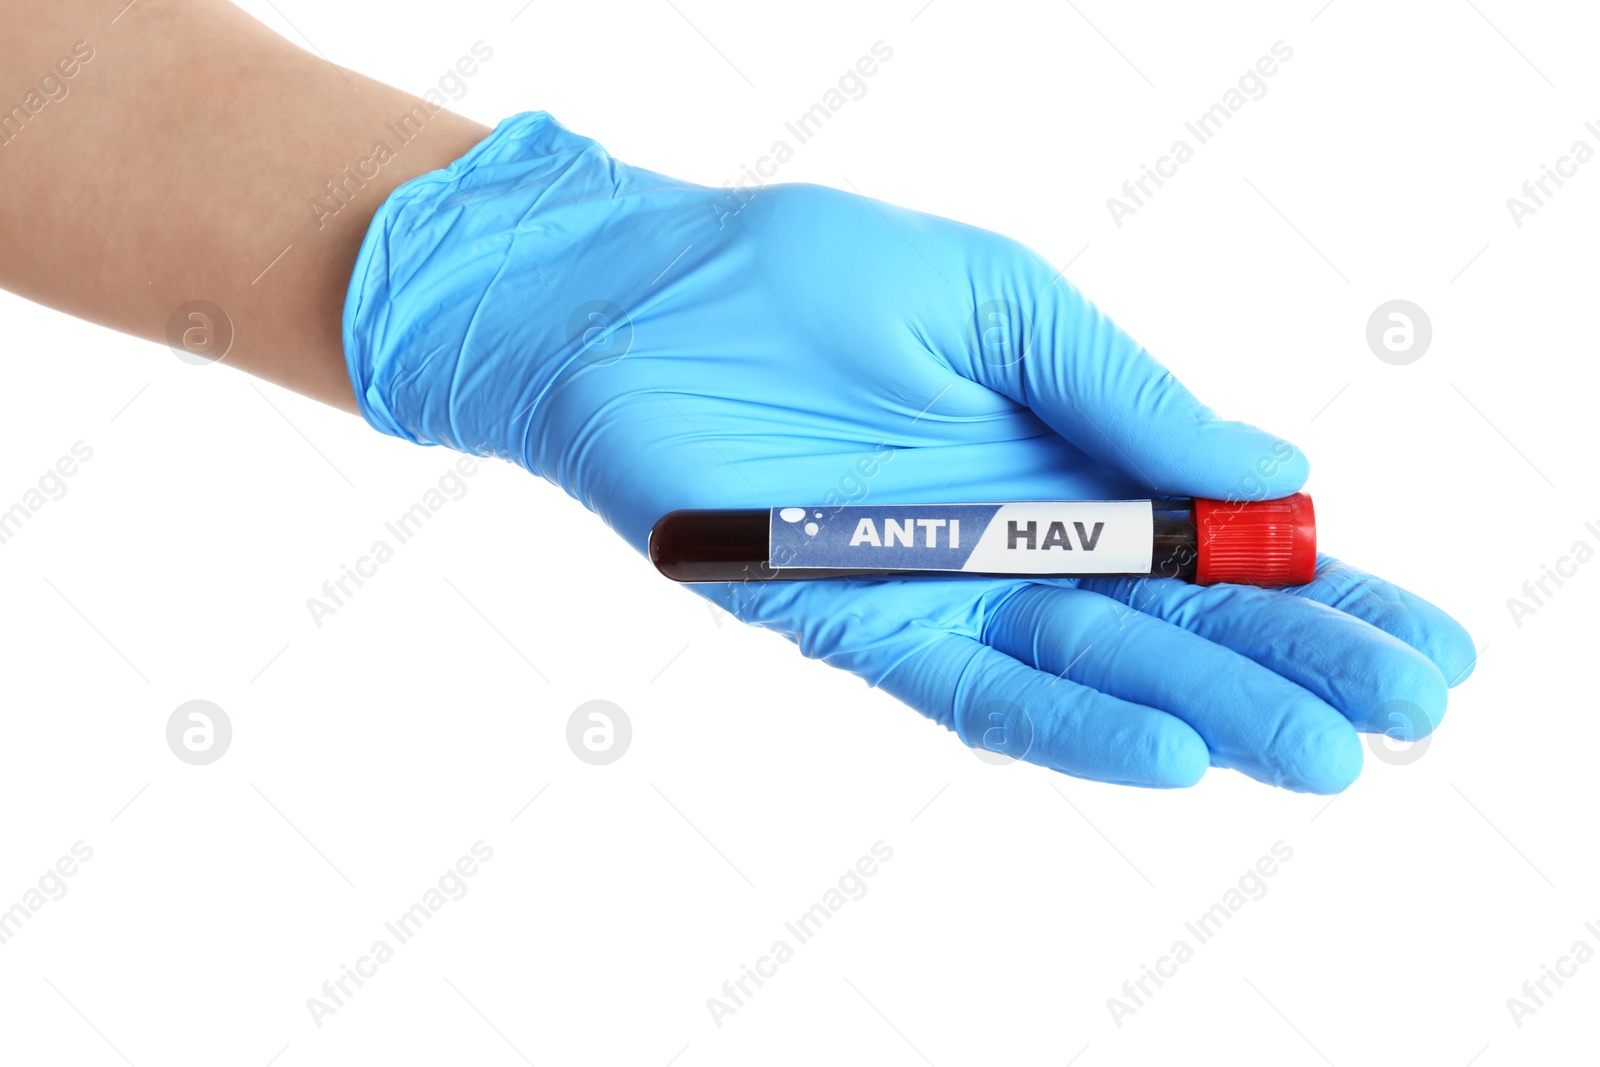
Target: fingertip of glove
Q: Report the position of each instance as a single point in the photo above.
(1175, 757)
(1452, 649)
(1272, 465)
(1322, 756)
(1183, 763)
(1238, 461)
(1414, 703)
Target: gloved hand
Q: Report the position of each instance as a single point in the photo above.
(650, 344)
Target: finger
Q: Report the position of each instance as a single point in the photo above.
(1379, 682)
(1251, 718)
(993, 702)
(1033, 337)
(1393, 610)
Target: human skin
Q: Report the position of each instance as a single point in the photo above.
(181, 160)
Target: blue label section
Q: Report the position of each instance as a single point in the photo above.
(909, 537)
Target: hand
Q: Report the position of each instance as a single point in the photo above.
(650, 344)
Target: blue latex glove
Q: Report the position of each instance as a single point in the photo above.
(650, 344)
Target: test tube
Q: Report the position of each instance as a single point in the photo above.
(1264, 543)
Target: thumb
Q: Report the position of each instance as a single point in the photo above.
(1033, 337)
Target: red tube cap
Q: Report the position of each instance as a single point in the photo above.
(1263, 542)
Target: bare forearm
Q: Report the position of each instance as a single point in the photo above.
(187, 157)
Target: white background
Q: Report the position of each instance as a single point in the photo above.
(370, 753)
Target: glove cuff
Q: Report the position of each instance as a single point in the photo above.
(440, 247)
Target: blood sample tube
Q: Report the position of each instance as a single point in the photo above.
(1264, 543)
